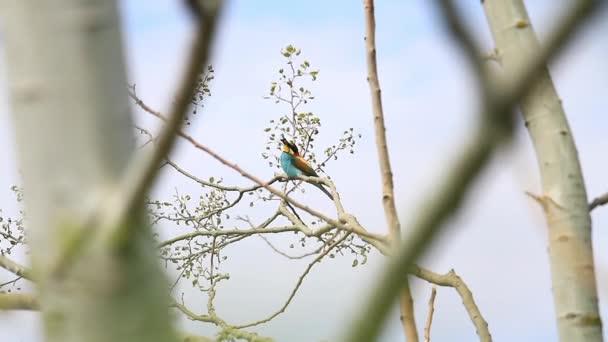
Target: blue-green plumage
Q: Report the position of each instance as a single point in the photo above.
(287, 164)
(294, 165)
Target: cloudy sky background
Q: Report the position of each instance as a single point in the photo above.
(498, 242)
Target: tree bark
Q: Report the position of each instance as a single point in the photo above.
(74, 138)
(564, 198)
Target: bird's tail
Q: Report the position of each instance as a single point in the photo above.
(320, 186)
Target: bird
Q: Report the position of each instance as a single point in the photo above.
(294, 165)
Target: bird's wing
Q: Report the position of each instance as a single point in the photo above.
(304, 166)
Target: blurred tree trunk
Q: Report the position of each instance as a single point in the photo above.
(74, 138)
(564, 197)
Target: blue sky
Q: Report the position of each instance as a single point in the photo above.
(497, 244)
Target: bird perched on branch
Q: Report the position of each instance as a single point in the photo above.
(294, 165)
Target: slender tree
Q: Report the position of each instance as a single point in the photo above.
(564, 197)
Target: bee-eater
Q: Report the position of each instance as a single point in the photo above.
(294, 165)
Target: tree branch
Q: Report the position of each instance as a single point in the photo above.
(451, 279)
(388, 196)
(15, 268)
(429, 317)
(297, 287)
(226, 329)
(215, 185)
(598, 201)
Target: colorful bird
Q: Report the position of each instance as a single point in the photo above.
(294, 165)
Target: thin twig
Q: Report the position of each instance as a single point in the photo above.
(297, 287)
(11, 282)
(241, 232)
(209, 184)
(293, 210)
(211, 266)
(601, 200)
(292, 257)
(429, 317)
(495, 127)
(451, 279)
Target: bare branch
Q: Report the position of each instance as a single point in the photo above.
(239, 232)
(297, 287)
(451, 279)
(10, 282)
(601, 200)
(429, 317)
(215, 185)
(278, 251)
(226, 329)
(388, 196)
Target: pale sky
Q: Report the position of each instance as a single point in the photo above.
(498, 242)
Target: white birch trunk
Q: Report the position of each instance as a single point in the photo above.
(74, 138)
(564, 198)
